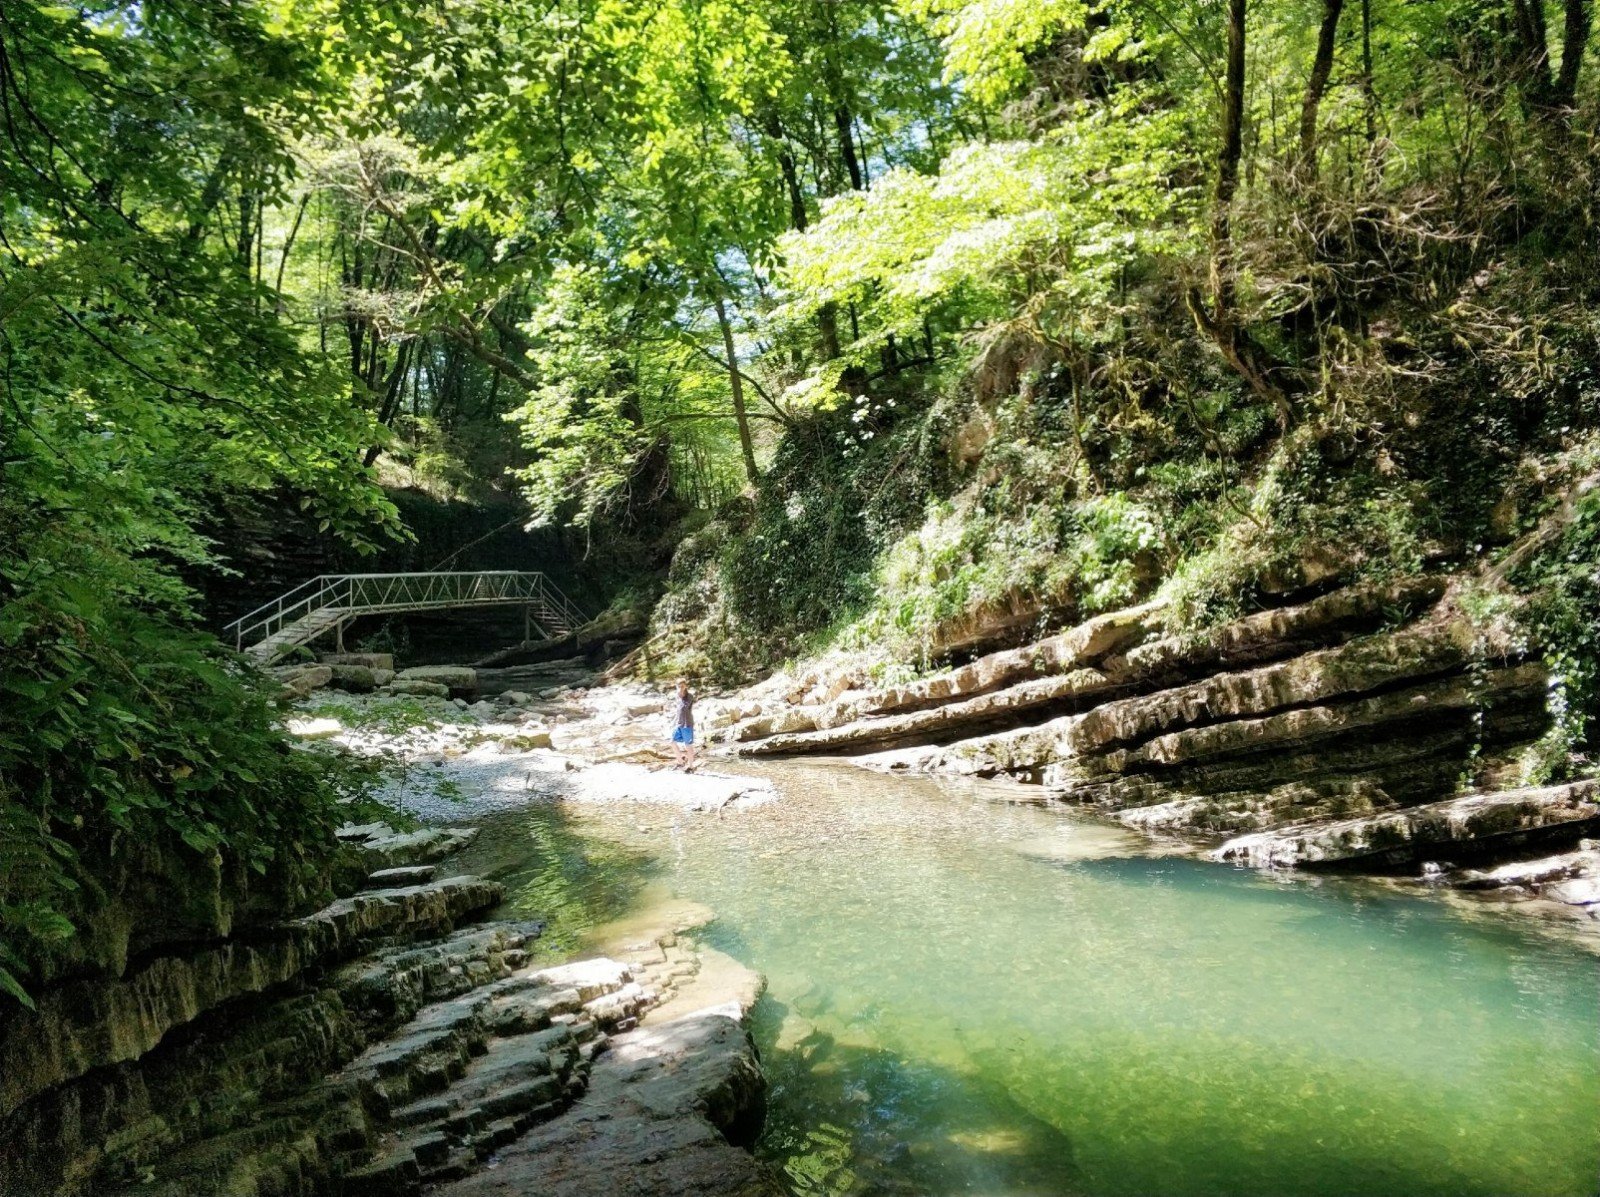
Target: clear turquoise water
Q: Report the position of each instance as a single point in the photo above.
(969, 996)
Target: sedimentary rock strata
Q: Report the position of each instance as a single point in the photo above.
(1471, 826)
(374, 1047)
(1362, 726)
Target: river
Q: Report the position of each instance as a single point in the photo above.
(971, 994)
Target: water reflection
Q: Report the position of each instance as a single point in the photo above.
(575, 882)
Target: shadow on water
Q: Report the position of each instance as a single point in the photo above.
(847, 1119)
(850, 1119)
(551, 871)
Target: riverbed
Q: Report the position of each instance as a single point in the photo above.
(968, 993)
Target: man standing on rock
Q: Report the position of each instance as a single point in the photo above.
(683, 727)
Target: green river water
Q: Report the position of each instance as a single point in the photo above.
(969, 995)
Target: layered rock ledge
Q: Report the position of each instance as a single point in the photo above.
(385, 1045)
(1370, 728)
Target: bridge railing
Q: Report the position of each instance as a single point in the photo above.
(360, 594)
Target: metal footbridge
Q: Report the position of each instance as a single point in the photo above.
(326, 604)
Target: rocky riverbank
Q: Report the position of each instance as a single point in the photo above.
(1372, 728)
(1367, 729)
(395, 1042)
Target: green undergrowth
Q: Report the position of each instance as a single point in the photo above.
(1561, 616)
(890, 527)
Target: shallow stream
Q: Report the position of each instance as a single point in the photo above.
(969, 995)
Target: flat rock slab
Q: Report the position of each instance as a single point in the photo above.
(720, 985)
(404, 875)
(1528, 873)
(389, 849)
(419, 688)
(665, 1112)
(369, 660)
(1404, 837)
(460, 679)
(619, 782)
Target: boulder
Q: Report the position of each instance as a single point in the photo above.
(1580, 891)
(382, 676)
(356, 679)
(527, 741)
(460, 679)
(419, 689)
(516, 698)
(300, 680)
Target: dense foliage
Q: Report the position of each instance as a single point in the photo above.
(145, 372)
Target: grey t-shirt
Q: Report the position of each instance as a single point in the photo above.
(685, 710)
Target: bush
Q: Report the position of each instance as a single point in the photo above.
(121, 730)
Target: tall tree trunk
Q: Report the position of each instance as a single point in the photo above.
(747, 446)
(1574, 40)
(828, 327)
(1550, 96)
(1221, 322)
(1316, 86)
(1533, 48)
(790, 172)
(288, 245)
(828, 316)
(1222, 273)
(247, 207)
(843, 121)
(393, 389)
(1369, 90)
(210, 196)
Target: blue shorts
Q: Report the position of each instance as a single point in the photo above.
(683, 735)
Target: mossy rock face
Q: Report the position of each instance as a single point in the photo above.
(160, 894)
(85, 1025)
(355, 679)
